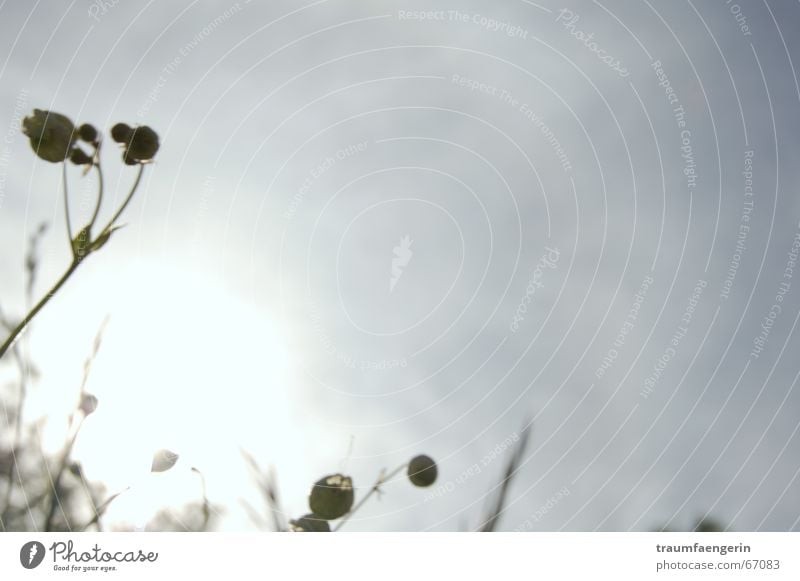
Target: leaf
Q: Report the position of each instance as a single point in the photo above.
(104, 237)
(163, 460)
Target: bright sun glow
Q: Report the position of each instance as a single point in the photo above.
(184, 365)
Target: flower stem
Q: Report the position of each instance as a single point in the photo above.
(42, 302)
(126, 202)
(66, 206)
(96, 161)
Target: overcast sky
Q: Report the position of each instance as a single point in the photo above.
(373, 232)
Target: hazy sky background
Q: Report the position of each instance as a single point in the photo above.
(539, 190)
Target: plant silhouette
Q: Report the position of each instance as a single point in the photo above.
(55, 139)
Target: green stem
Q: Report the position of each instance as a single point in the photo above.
(382, 479)
(99, 188)
(44, 300)
(66, 207)
(126, 202)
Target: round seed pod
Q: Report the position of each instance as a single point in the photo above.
(332, 496)
(310, 523)
(88, 133)
(121, 133)
(143, 144)
(88, 404)
(422, 471)
(79, 157)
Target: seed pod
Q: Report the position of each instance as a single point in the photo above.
(52, 135)
(88, 404)
(332, 496)
(422, 471)
(121, 133)
(88, 133)
(310, 523)
(143, 144)
(79, 157)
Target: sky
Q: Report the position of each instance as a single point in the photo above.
(380, 229)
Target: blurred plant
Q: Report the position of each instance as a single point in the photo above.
(703, 524)
(55, 139)
(332, 496)
(498, 506)
(40, 491)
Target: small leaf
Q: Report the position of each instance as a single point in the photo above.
(103, 238)
(82, 244)
(163, 460)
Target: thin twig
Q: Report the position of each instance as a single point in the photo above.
(100, 511)
(206, 507)
(383, 478)
(56, 490)
(55, 495)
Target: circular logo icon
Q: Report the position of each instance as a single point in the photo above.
(31, 554)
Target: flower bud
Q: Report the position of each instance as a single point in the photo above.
(121, 133)
(52, 135)
(88, 404)
(422, 471)
(332, 496)
(79, 157)
(143, 144)
(88, 133)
